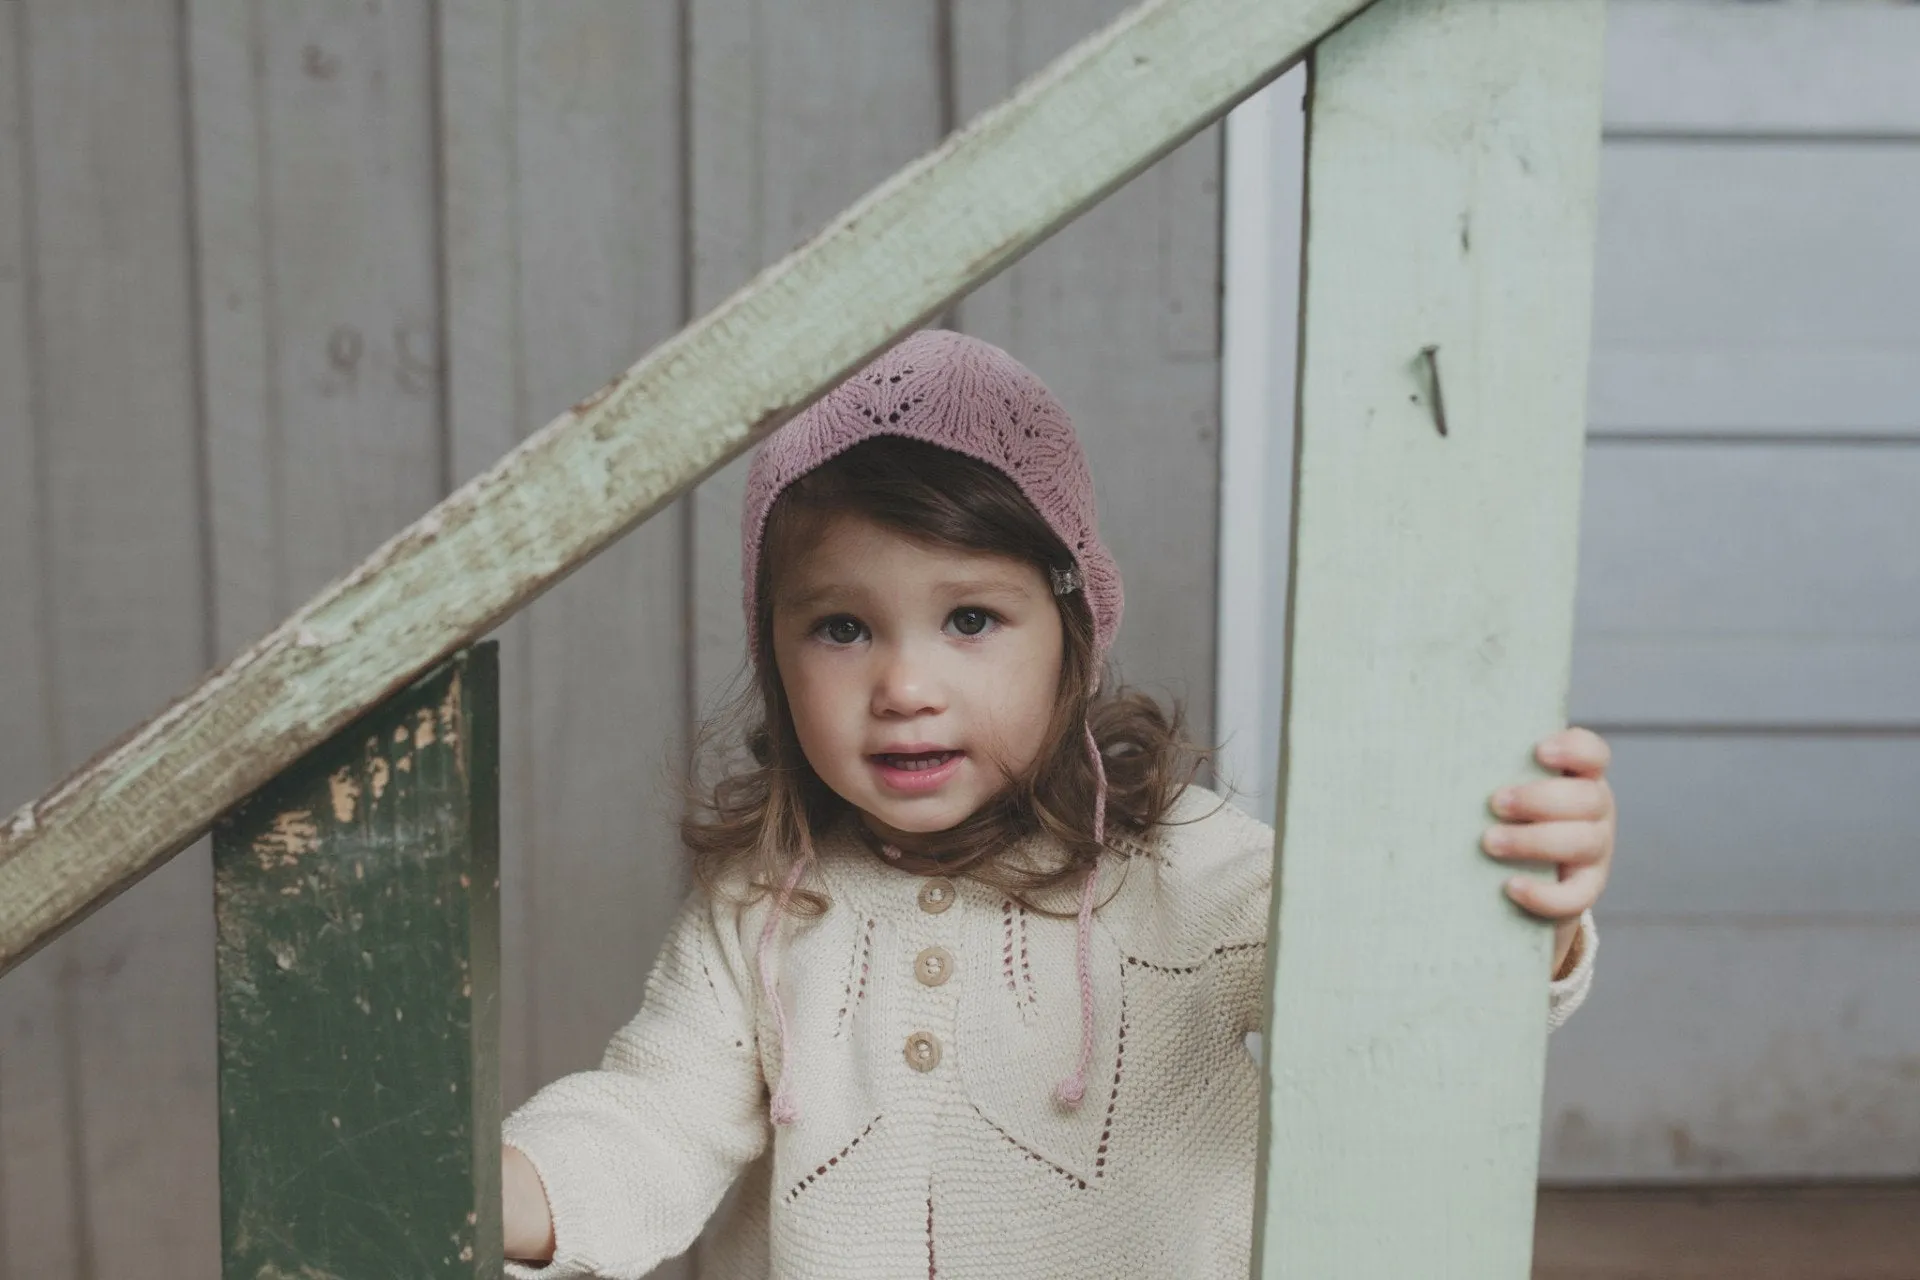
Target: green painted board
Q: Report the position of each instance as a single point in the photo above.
(1453, 150)
(358, 949)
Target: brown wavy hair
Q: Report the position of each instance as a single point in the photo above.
(767, 807)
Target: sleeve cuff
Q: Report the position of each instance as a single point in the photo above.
(570, 1193)
(1568, 993)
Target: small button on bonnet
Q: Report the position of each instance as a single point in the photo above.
(923, 1051)
(936, 895)
(933, 966)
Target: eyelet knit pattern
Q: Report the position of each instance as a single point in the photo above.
(1152, 1179)
(962, 394)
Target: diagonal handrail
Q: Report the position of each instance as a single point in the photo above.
(947, 222)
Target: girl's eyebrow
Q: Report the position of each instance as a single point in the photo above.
(852, 595)
(814, 597)
(1001, 587)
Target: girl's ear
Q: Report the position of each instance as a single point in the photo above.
(760, 745)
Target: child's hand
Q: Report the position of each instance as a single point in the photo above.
(526, 1222)
(1567, 821)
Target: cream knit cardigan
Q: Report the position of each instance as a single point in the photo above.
(931, 1020)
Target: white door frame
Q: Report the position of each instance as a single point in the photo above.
(1265, 171)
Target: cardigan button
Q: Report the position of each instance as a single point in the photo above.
(923, 1051)
(933, 966)
(936, 895)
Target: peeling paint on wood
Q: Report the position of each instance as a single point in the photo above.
(343, 789)
(358, 970)
(936, 229)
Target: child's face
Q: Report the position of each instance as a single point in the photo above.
(919, 677)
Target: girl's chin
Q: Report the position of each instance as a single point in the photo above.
(902, 824)
(928, 821)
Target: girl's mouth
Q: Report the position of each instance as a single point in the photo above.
(916, 770)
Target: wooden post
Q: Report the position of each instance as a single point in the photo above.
(358, 996)
(1452, 158)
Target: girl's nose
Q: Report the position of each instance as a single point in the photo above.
(906, 684)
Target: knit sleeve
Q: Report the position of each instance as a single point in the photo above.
(1566, 995)
(636, 1155)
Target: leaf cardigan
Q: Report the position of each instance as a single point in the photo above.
(930, 1020)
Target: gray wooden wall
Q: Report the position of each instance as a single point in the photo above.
(1749, 612)
(274, 276)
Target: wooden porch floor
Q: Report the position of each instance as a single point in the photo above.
(1834, 1232)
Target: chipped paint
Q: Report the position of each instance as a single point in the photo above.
(22, 823)
(341, 1022)
(450, 728)
(450, 715)
(592, 402)
(310, 633)
(423, 735)
(344, 789)
(293, 834)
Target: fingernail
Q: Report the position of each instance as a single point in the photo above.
(1503, 800)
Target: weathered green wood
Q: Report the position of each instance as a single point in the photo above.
(1452, 162)
(1100, 114)
(357, 899)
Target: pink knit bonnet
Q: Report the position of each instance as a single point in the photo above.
(962, 394)
(959, 393)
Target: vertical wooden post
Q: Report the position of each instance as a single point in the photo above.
(1452, 159)
(357, 900)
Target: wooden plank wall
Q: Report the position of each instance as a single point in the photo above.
(106, 1087)
(273, 277)
(1749, 629)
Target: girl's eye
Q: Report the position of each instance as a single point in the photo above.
(840, 630)
(970, 622)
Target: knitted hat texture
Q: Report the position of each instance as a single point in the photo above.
(962, 394)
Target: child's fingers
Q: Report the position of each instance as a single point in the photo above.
(1554, 799)
(1560, 842)
(1578, 751)
(1558, 899)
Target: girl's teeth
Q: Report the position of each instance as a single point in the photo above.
(916, 764)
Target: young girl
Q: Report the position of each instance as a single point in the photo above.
(967, 984)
